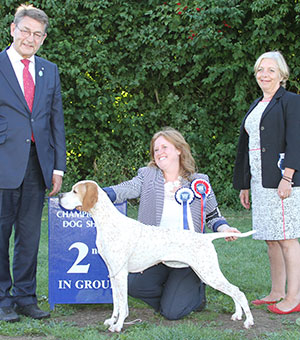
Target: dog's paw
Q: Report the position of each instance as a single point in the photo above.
(248, 323)
(109, 322)
(115, 328)
(236, 316)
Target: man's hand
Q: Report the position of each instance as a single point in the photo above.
(56, 182)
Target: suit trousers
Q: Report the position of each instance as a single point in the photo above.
(174, 292)
(21, 209)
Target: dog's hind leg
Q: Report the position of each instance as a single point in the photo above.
(217, 280)
(238, 314)
(240, 301)
(120, 300)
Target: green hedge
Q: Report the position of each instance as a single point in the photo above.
(129, 68)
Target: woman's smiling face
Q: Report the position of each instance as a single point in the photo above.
(166, 156)
(268, 76)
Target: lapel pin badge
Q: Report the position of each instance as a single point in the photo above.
(41, 73)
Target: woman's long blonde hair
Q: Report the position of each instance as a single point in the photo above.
(187, 162)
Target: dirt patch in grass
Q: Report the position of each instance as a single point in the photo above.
(265, 322)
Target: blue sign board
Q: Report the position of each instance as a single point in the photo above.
(77, 273)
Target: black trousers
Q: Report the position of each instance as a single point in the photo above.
(21, 208)
(174, 292)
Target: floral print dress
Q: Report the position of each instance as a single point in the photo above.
(272, 218)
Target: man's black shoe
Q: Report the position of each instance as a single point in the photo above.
(8, 314)
(33, 311)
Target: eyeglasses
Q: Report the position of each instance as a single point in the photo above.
(27, 33)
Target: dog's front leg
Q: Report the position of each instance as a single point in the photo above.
(115, 314)
(120, 300)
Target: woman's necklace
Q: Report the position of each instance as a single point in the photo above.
(171, 187)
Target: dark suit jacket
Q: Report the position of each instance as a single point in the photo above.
(16, 122)
(279, 133)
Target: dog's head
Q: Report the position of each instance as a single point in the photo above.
(83, 196)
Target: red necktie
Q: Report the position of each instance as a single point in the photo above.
(28, 86)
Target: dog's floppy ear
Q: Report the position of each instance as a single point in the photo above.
(91, 196)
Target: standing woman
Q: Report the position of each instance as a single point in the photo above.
(268, 162)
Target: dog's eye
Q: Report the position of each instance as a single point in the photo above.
(74, 191)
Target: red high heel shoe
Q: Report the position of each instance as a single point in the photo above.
(274, 309)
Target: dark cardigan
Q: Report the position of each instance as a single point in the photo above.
(279, 133)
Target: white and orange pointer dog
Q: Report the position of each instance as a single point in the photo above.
(128, 246)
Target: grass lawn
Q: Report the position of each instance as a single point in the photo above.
(243, 262)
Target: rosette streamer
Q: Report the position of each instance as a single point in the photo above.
(201, 189)
(185, 196)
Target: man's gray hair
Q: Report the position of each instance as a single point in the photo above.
(31, 12)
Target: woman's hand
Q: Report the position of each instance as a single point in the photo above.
(244, 198)
(224, 228)
(285, 185)
(284, 189)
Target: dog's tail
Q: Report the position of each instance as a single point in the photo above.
(214, 236)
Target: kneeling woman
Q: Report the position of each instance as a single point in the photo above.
(172, 195)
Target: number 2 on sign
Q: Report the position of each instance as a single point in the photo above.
(77, 268)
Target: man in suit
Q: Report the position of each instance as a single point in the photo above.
(32, 157)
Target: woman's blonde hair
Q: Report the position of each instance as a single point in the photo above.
(187, 162)
(279, 59)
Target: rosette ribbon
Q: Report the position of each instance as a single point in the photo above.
(201, 189)
(280, 163)
(185, 196)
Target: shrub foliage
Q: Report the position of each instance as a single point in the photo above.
(129, 68)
